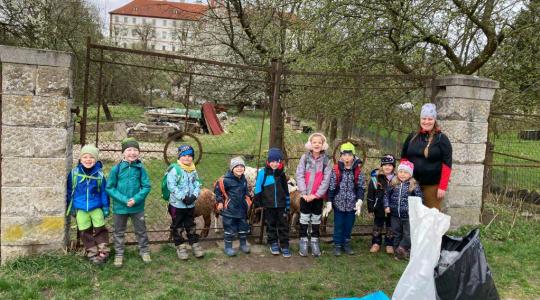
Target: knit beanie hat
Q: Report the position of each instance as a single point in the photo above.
(388, 159)
(236, 161)
(130, 143)
(186, 150)
(429, 110)
(275, 154)
(406, 166)
(90, 149)
(347, 148)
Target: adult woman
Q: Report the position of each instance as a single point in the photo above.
(430, 151)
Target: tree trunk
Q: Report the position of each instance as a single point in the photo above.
(333, 131)
(320, 120)
(106, 109)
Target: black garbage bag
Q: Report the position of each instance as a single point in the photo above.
(462, 272)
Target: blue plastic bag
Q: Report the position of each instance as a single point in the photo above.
(380, 295)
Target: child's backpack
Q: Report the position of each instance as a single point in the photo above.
(165, 193)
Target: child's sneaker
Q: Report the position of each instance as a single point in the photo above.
(96, 260)
(118, 261)
(198, 251)
(375, 248)
(337, 250)
(285, 252)
(146, 258)
(347, 248)
(389, 249)
(244, 247)
(400, 253)
(274, 249)
(181, 252)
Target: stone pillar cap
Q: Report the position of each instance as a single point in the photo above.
(40, 57)
(466, 80)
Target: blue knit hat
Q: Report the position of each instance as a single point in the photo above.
(275, 154)
(186, 150)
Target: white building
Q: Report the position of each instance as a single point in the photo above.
(157, 25)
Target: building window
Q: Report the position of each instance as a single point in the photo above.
(154, 22)
(134, 20)
(164, 22)
(124, 32)
(144, 20)
(133, 32)
(164, 48)
(174, 23)
(164, 35)
(124, 45)
(153, 47)
(125, 20)
(116, 43)
(173, 48)
(116, 19)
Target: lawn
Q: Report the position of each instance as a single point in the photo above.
(511, 246)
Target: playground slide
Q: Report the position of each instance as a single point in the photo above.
(212, 121)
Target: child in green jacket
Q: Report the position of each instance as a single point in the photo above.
(128, 186)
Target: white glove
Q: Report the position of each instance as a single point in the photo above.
(358, 207)
(327, 209)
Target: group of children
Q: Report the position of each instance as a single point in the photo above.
(342, 186)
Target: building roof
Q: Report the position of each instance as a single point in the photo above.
(162, 9)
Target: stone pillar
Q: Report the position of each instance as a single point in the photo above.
(463, 105)
(36, 135)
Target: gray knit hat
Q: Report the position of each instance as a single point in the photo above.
(237, 161)
(90, 149)
(429, 110)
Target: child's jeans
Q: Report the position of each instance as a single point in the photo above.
(183, 219)
(310, 213)
(277, 228)
(378, 225)
(94, 234)
(233, 226)
(343, 225)
(402, 232)
(139, 226)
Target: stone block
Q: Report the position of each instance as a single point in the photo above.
(27, 202)
(34, 142)
(466, 80)
(30, 56)
(11, 252)
(53, 81)
(32, 230)
(34, 172)
(463, 216)
(465, 132)
(35, 111)
(462, 109)
(468, 153)
(467, 92)
(463, 196)
(18, 79)
(467, 175)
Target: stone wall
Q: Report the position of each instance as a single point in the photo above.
(463, 106)
(36, 149)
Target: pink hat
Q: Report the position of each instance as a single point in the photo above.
(406, 166)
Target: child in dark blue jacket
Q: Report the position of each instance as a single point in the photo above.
(272, 193)
(233, 204)
(396, 203)
(87, 199)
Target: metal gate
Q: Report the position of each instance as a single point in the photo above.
(119, 82)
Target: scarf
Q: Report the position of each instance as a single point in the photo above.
(187, 168)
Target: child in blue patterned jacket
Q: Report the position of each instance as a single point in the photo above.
(396, 203)
(184, 187)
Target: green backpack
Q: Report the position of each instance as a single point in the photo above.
(165, 193)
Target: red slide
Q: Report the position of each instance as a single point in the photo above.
(212, 121)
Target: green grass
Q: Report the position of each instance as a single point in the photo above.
(511, 248)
